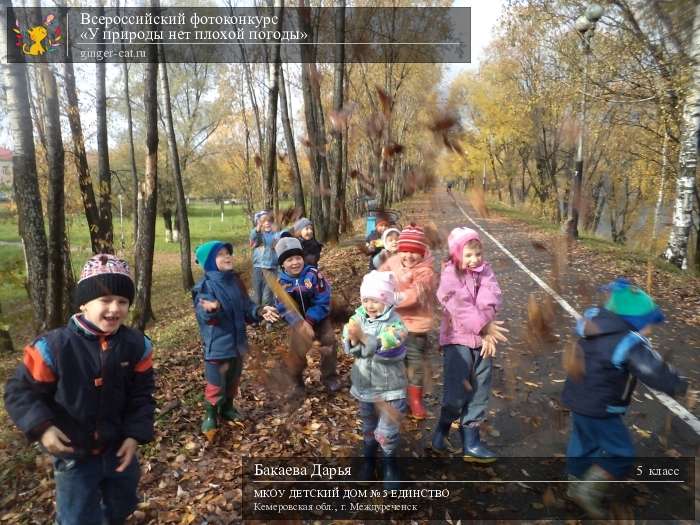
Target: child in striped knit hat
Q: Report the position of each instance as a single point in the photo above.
(416, 282)
(85, 392)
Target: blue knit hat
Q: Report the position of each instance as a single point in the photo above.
(205, 254)
(632, 303)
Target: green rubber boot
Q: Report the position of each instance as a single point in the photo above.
(209, 422)
(229, 412)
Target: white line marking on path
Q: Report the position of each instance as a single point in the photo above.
(666, 400)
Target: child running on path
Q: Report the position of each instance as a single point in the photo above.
(85, 392)
(312, 295)
(262, 240)
(470, 297)
(416, 281)
(375, 336)
(223, 308)
(615, 353)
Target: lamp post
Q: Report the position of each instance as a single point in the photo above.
(585, 26)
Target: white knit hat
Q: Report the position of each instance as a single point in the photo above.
(379, 286)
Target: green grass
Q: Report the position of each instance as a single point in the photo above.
(599, 244)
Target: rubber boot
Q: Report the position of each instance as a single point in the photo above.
(229, 412)
(439, 442)
(209, 422)
(589, 496)
(369, 463)
(472, 448)
(390, 473)
(415, 401)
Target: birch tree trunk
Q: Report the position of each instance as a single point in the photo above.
(25, 182)
(182, 218)
(677, 249)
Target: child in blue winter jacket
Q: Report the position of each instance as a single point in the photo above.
(312, 295)
(262, 240)
(614, 353)
(223, 308)
(376, 336)
(85, 392)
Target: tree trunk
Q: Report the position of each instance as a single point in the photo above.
(55, 202)
(132, 154)
(105, 176)
(81, 164)
(25, 182)
(337, 186)
(147, 222)
(182, 217)
(677, 249)
(271, 128)
(299, 203)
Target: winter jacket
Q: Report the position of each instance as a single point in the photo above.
(223, 331)
(310, 291)
(263, 244)
(615, 356)
(416, 287)
(470, 300)
(312, 251)
(379, 259)
(378, 371)
(97, 388)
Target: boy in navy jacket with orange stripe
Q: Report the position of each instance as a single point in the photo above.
(85, 392)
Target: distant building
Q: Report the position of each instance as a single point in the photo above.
(5, 174)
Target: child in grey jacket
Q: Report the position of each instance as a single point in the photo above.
(375, 336)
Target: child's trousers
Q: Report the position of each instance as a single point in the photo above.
(601, 441)
(383, 423)
(262, 295)
(416, 347)
(223, 377)
(467, 384)
(90, 492)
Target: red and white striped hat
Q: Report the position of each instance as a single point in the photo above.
(412, 239)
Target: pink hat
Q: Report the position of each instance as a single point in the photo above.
(457, 239)
(379, 286)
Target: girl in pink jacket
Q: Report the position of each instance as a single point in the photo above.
(470, 296)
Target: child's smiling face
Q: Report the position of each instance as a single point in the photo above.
(410, 259)
(107, 313)
(293, 265)
(472, 256)
(224, 260)
(392, 242)
(373, 307)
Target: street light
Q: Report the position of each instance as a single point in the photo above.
(585, 26)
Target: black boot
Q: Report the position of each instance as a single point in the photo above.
(472, 448)
(390, 473)
(369, 462)
(439, 442)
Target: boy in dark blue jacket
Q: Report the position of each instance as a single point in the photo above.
(85, 392)
(223, 308)
(312, 294)
(615, 353)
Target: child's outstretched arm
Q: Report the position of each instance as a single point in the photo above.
(423, 286)
(648, 366)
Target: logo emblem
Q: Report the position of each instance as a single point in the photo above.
(37, 40)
